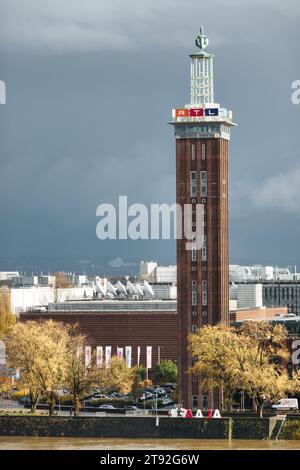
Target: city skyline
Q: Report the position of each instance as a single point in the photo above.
(58, 164)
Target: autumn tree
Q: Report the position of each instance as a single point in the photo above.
(262, 356)
(216, 364)
(165, 371)
(79, 374)
(7, 318)
(39, 352)
(117, 376)
(251, 358)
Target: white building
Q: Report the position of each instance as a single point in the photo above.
(8, 275)
(151, 272)
(26, 281)
(257, 273)
(162, 292)
(147, 271)
(23, 298)
(249, 296)
(166, 274)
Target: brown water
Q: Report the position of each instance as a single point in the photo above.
(71, 443)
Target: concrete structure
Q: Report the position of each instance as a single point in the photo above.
(24, 298)
(259, 273)
(151, 272)
(25, 281)
(147, 271)
(8, 275)
(166, 274)
(282, 294)
(202, 132)
(249, 296)
(162, 291)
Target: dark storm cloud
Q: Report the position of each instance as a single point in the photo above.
(90, 86)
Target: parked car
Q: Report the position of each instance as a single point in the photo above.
(130, 408)
(25, 401)
(170, 386)
(286, 404)
(100, 396)
(117, 395)
(107, 407)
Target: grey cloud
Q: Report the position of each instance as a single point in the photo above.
(90, 87)
(95, 25)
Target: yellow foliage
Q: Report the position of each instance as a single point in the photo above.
(7, 318)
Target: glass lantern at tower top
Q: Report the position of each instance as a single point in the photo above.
(202, 77)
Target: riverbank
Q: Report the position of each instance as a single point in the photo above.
(138, 427)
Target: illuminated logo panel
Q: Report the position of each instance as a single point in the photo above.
(196, 112)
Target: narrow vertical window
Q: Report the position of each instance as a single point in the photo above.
(193, 151)
(193, 183)
(194, 293)
(194, 252)
(204, 249)
(203, 181)
(204, 293)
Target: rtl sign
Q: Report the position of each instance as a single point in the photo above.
(197, 112)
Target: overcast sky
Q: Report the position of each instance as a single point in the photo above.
(90, 87)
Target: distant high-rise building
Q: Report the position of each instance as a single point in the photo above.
(202, 132)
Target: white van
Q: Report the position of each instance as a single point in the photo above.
(286, 404)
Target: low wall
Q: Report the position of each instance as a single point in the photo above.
(136, 427)
(291, 429)
(252, 428)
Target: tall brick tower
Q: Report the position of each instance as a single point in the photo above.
(202, 132)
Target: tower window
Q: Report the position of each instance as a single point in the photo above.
(194, 293)
(203, 180)
(193, 151)
(194, 252)
(193, 183)
(194, 328)
(204, 249)
(204, 293)
(203, 151)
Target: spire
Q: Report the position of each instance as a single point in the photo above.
(201, 41)
(202, 77)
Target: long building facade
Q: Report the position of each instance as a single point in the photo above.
(147, 329)
(202, 133)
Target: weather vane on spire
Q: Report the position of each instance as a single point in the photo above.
(201, 41)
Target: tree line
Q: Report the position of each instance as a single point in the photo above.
(253, 358)
(50, 355)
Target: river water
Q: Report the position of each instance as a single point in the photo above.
(71, 443)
